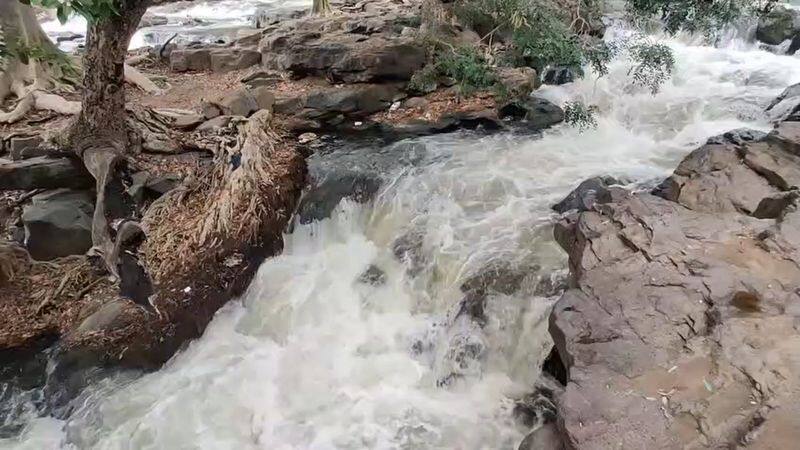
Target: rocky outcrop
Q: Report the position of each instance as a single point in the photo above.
(778, 25)
(681, 326)
(366, 45)
(215, 59)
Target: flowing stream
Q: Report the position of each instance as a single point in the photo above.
(313, 358)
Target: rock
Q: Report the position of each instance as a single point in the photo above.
(306, 138)
(190, 59)
(58, 223)
(146, 187)
(152, 20)
(374, 276)
(342, 57)
(104, 318)
(681, 328)
(25, 147)
(262, 78)
(323, 197)
(548, 437)
(215, 123)
(778, 25)
(539, 407)
(353, 101)
(241, 102)
(497, 276)
(538, 113)
(560, 75)
(739, 136)
(237, 103)
(587, 194)
(785, 106)
(44, 173)
(228, 59)
(409, 249)
(416, 103)
(473, 305)
(519, 81)
(188, 122)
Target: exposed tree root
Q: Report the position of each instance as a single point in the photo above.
(140, 80)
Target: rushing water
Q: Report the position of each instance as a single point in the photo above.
(311, 358)
(204, 21)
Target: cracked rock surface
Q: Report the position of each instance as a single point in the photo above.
(682, 326)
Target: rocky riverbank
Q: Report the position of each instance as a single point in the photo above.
(680, 329)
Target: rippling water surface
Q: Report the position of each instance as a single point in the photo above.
(311, 358)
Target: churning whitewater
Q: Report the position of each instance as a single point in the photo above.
(317, 355)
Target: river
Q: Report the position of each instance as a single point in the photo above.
(311, 358)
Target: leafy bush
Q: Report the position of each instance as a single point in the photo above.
(468, 68)
(705, 16)
(654, 64)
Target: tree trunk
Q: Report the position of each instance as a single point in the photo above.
(103, 119)
(321, 7)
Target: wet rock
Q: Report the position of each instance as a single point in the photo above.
(320, 201)
(465, 356)
(778, 25)
(588, 193)
(498, 276)
(738, 137)
(374, 276)
(785, 106)
(552, 284)
(539, 407)
(237, 103)
(548, 437)
(473, 305)
(538, 113)
(58, 223)
(560, 75)
(408, 248)
(44, 173)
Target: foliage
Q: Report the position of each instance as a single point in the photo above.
(579, 115)
(653, 64)
(705, 16)
(469, 69)
(93, 10)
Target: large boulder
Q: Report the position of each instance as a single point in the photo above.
(786, 106)
(323, 197)
(58, 223)
(44, 173)
(589, 193)
(680, 330)
(537, 113)
(778, 25)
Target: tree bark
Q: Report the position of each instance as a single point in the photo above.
(103, 119)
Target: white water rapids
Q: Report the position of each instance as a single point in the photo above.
(311, 358)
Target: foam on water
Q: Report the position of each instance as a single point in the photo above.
(311, 358)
